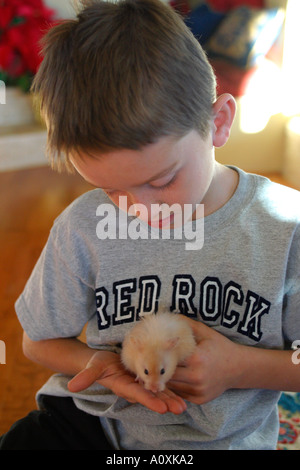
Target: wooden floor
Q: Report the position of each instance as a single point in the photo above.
(29, 202)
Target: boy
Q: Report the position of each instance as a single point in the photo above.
(129, 101)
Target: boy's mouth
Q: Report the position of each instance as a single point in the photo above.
(162, 223)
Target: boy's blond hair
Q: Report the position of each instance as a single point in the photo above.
(121, 75)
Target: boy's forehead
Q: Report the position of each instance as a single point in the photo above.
(126, 167)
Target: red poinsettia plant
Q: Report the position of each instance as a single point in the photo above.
(22, 25)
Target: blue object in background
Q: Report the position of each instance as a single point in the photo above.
(203, 21)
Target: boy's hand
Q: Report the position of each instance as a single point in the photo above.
(107, 369)
(213, 367)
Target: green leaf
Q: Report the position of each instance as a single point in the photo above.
(24, 82)
(17, 20)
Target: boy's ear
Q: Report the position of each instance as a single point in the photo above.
(223, 115)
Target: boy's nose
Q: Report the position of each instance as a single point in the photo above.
(140, 203)
(141, 196)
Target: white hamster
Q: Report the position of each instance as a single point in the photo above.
(154, 347)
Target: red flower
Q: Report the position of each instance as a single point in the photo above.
(22, 25)
(6, 16)
(6, 56)
(226, 5)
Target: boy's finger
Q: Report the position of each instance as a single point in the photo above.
(174, 402)
(163, 402)
(83, 380)
(200, 330)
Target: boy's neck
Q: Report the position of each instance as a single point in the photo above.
(221, 189)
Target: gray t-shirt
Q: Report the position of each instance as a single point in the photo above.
(243, 282)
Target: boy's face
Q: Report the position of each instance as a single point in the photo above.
(172, 170)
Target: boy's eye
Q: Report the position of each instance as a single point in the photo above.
(164, 182)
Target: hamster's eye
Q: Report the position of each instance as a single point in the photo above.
(162, 371)
(146, 371)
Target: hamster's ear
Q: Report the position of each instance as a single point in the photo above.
(223, 115)
(137, 342)
(171, 343)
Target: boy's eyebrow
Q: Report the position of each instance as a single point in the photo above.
(158, 175)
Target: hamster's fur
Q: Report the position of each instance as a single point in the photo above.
(154, 347)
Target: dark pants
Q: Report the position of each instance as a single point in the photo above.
(59, 425)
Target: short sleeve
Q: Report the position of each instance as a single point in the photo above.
(58, 298)
(291, 310)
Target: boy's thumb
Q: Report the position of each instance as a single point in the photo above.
(200, 330)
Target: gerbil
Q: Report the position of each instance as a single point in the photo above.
(154, 346)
